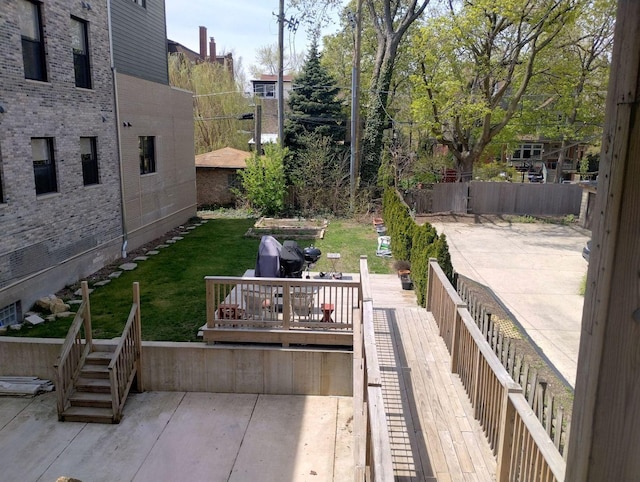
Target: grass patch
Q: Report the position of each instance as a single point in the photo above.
(172, 286)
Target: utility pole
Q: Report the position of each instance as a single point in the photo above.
(281, 74)
(257, 135)
(355, 109)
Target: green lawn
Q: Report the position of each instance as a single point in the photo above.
(172, 283)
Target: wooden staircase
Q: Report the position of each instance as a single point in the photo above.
(91, 398)
(94, 380)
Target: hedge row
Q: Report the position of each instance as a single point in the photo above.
(414, 243)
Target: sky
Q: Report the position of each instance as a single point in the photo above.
(238, 26)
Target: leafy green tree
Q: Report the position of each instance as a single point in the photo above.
(470, 86)
(263, 181)
(567, 95)
(321, 178)
(267, 61)
(218, 102)
(315, 105)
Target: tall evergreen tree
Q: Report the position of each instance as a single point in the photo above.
(315, 105)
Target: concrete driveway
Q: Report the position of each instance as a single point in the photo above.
(535, 270)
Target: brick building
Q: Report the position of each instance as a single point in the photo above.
(65, 206)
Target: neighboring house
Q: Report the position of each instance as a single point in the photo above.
(226, 60)
(216, 175)
(531, 154)
(80, 181)
(155, 123)
(59, 175)
(265, 91)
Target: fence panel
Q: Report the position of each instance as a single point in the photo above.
(450, 197)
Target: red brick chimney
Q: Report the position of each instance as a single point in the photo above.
(203, 43)
(212, 50)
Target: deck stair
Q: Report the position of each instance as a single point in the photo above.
(91, 399)
(93, 380)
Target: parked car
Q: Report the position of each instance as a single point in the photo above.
(586, 250)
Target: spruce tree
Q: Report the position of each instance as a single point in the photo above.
(315, 106)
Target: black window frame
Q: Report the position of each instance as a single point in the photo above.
(44, 170)
(147, 152)
(90, 170)
(33, 49)
(81, 59)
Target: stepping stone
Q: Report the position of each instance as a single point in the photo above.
(141, 258)
(74, 302)
(51, 318)
(16, 326)
(191, 228)
(79, 292)
(177, 238)
(204, 221)
(34, 320)
(160, 246)
(153, 252)
(115, 274)
(128, 266)
(103, 282)
(65, 314)
(170, 241)
(184, 233)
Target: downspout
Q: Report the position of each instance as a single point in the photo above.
(118, 134)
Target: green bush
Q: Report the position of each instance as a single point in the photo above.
(414, 243)
(263, 181)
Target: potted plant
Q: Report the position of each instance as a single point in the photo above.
(403, 269)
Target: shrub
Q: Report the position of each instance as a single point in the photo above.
(263, 181)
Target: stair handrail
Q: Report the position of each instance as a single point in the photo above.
(126, 360)
(74, 351)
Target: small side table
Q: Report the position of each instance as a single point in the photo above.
(327, 309)
(333, 259)
(228, 311)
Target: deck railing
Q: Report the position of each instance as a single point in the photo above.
(77, 345)
(372, 452)
(126, 360)
(523, 449)
(281, 310)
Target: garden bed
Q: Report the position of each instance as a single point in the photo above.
(289, 228)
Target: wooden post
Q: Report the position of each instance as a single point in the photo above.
(138, 331)
(88, 336)
(505, 437)
(605, 429)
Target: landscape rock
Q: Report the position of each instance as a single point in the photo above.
(65, 314)
(153, 252)
(74, 302)
(160, 246)
(79, 292)
(141, 258)
(170, 241)
(128, 266)
(115, 274)
(17, 326)
(103, 282)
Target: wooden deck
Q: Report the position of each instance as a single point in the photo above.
(434, 435)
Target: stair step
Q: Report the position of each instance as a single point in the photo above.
(95, 385)
(91, 370)
(89, 399)
(100, 357)
(88, 415)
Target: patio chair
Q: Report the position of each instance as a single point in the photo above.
(257, 304)
(302, 301)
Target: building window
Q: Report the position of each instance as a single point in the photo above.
(528, 151)
(32, 41)
(264, 90)
(89, 160)
(142, 3)
(80, 46)
(234, 181)
(44, 166)
(10, 314)
(146, 147)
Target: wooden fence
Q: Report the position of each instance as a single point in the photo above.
(372, 452)
(125, 363)
(497, 198)
(523, 449)
(550, 414)
(77, 345)
(281, 310)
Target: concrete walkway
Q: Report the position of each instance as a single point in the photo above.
(182, 436)
(535, 270)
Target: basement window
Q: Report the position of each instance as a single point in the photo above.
(10, 314)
